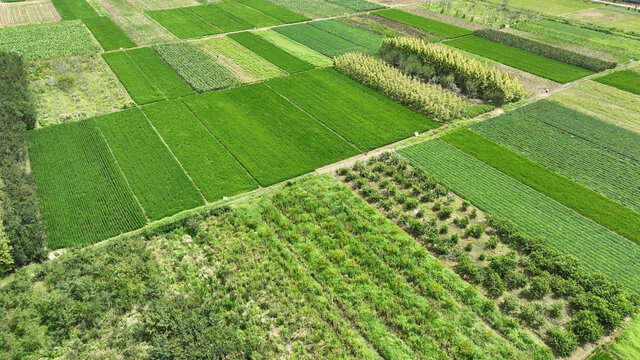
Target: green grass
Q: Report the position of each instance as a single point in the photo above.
(108, 34)
(364, 117)
(301, 51)
(83, 195)
(313, 8)
(623, 80)
(154, 175)
(520, 59)
(604, 102)
(159, 73)
(47, 41)
(551, 7)
(426, 24)
(248, 15)
(357, 5)
(139, 86)
(320, 40)
(596, 248)
(276, 12)
(627, 343)
(195, 67)
(587, 202)
(220, 18)
(270, 137)
(184, 23)
(608, 173)
(356, 35)
(614, 18)
(208, 163)
(271, 53)
(74, 9)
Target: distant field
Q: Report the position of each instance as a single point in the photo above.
(357, 5)
(184, 23)
(155, 177)
(609, 17)
(274, 11)
(142, 29)
(480, 12)
(280, 58)
(219, 18)
(356, 35)
(551, 7)
(270, 137)
(74, 9)
(520, 59)
(598, 249)
(432, 26)
(82, 193)
(364, 117)
(313, 8)
(108, 34)
(301, 51)
(604, 102)
(37, 12)
(139, 86)
(623, 80)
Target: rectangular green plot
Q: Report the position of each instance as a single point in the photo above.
(108, 34)
(520, 59)
(134, 80)
(364, 117)
(272, 139)
(604, 171)
(598, 249)
(208, 163)
(319, 40)
(623, 80)
(74, 9)
(426, 24)
(153, 173)
(220, 18)
(271, 53)
(248, 15)
(159, 73)
(356, 35)
(83, 196)
(301, 51)
(276, 12)
(584, 201)
(183, 23)
(357, 5)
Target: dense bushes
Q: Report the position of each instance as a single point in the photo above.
(451, 68)
(428, 99)
(21, 217)
(547, 50)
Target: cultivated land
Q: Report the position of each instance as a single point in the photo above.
(480, 196)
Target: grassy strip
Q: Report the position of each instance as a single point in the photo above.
(426, 24)
(274, 11)
(139, 86)
(598, 249)
(74, 9)
(585, 201)
(108, 34)
(248, 15)
(626, 345)
(195, 67)
(83, 195)
(477, 110)
(220, 18)
(159, 73)
(301, 51)
(357, 5)
(270, 52)
(602, 170)
(268, 135)
(209, 164)
(356, 35)
(154, 175)
(320, 40)
(364, 117)
(183, 23)
(520, 59)
(623, 80)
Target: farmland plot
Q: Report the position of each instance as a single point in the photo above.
(159, 73)
(211, 167)
(82, 193)
(623, 80)
(220, 18)
(154, 175)
(432, 26)
(301, 51)
(248, 15)
(37, 12)
(108, 34)
(313, 8)
(520, 59)
(74, 9)
(597, 248)
(274, 11)
(270, 52)
(139, 86)
(270, 137)
(184, 23)
(357, 5)
(142, 29)
(320, 40)
(612, 175)
(364, 117)
(356, 35)
(610, 17)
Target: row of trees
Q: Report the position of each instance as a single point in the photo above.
(21, 219)
(431, 100)
(473, 77)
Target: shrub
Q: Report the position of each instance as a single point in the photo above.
(445, 212)
(444, 229)
(474, 214)
(437, 206)
(532, 315)
(492, 243)
(539, 287)
(469, 247)
(561, 342)
(465, 205)
(455, 239)
(411, 204)
(475, 231)
(555, 310)
(509, 304)
(462, 222)
(584, 324)
(493, 284)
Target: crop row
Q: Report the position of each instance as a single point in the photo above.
(275, 55)
(357, 5)
(426, 24)
(624, 80)
(293, 47)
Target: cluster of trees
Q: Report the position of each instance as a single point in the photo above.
(23, 227)
(451, 68)
(431, 100)
(536, 47)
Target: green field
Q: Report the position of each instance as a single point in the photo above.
(248, 15)
(219, 18)
(587, 202)
(320, 40)
(623, 80)
(627, 343)
(615, 18)
(83, 195)
(74, 9)
(184, 23)
(596, 248)
(280, 58)
(137, 83)
(195, 67)
(276, 12)
(301, 51)
(313, 8)
(364, 117)
(357, 5)
(214, 171)
(270, 137)
(108, 34)
(356, 35)
(426, 24)
(612, 175)
(520, 59)
(159, 73)
(551, 7)
(155, 177)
